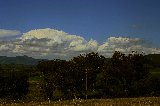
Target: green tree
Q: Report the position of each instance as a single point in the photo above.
(86, 68)
(13, 83)
(52, 72)
(122, 72)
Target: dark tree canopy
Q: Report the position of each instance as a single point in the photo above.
(123, 71)
(94, 75)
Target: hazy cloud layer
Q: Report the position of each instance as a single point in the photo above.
(51, 43)
(8, 33)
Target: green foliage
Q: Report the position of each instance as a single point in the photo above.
(13, 84)
(122, 71)
(52, 72)
(70, 76)
(90, 75)
(86, 67)
(153, 60)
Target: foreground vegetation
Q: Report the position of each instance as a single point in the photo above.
(88, 76)
(143, 101)
(94, 76)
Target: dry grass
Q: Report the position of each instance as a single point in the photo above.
(145, 101)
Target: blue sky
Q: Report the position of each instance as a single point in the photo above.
(97, 19)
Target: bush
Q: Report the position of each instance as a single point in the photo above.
(13, 84)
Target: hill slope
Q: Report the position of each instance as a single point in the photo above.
(18, 60)
(154, 60)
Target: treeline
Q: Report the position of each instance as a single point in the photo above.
(85, 76)
(13, 82)
(94, 76)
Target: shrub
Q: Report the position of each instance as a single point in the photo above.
(13, 84)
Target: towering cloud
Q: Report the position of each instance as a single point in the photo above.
(51, 43)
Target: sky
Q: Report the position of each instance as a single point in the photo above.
(70, 27)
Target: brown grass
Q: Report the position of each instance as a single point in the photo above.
(144, 101)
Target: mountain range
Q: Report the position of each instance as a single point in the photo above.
(155, 60)
(18, 60)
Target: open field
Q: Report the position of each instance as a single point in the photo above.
(143, 101)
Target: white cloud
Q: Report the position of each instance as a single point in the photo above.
(8, 33)
(3, 48)
(125, 45)
(44, 33)
(51, 43)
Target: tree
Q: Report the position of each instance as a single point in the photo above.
(122, 71)
(85, 68)
(18, 84)
(13, 83)
(52, 72)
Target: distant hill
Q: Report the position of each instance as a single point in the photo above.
(154, 60)
(18, 60)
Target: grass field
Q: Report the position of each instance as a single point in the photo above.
(143, 101)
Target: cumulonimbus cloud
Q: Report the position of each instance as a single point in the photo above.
(8, 33)
(51, 43)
